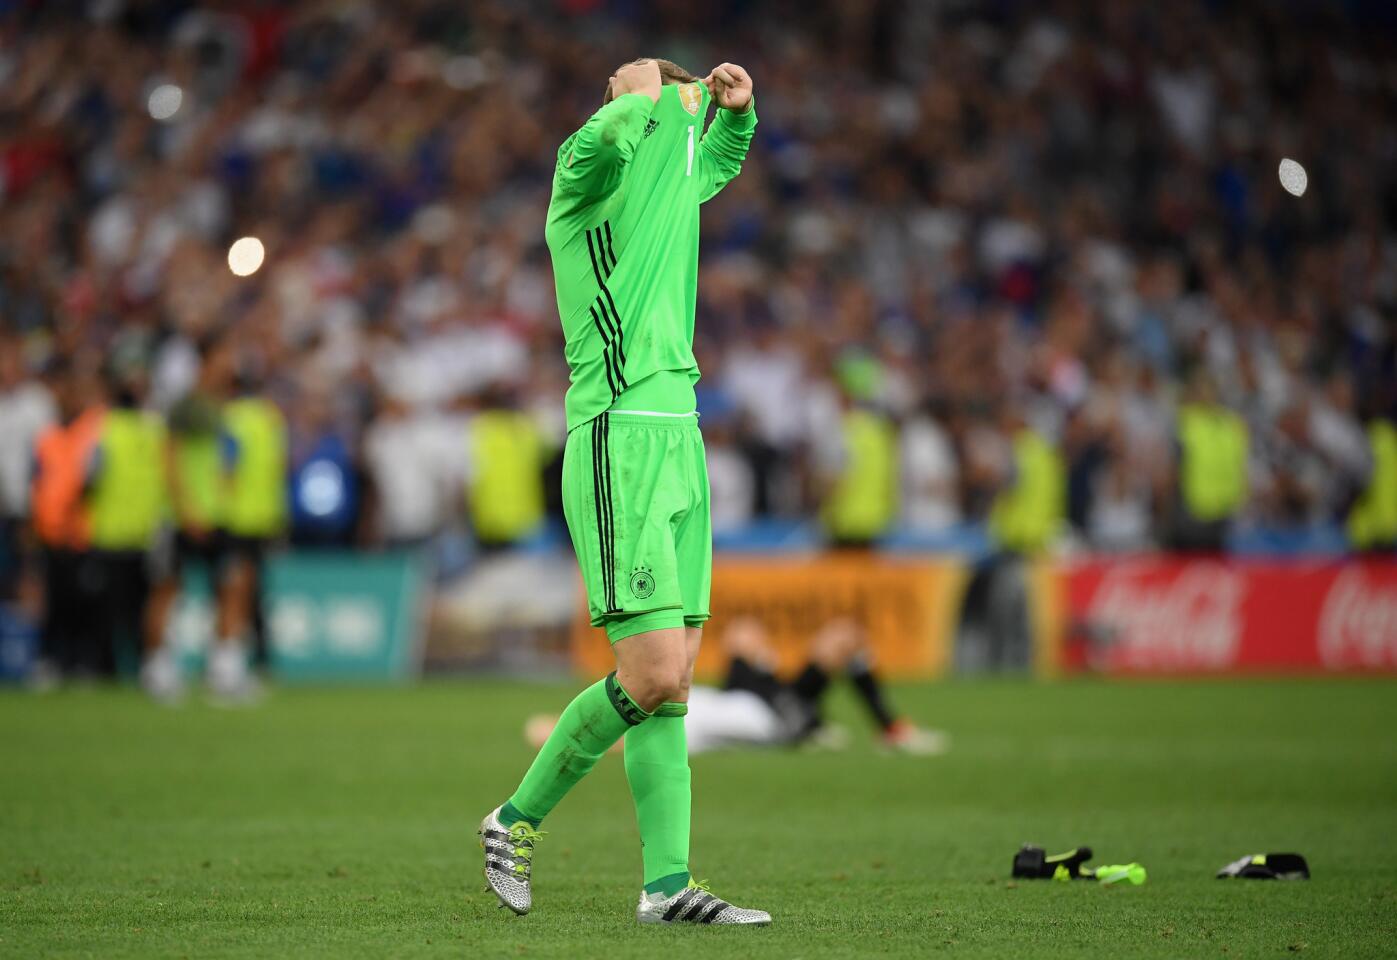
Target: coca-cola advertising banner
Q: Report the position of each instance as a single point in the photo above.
(1168, 615)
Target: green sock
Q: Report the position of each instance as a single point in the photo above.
(510, 815)
(594, 720)
(657, 766)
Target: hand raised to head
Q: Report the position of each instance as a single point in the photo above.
(730, 86)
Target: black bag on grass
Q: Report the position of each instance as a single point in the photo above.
(1033, 862)
(1268, 866)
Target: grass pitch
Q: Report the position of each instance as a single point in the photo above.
(340, 823)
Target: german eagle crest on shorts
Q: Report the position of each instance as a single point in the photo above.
(642, 583)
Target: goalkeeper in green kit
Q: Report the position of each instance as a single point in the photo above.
(623, 231)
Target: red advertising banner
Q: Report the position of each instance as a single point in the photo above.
(1169, 615)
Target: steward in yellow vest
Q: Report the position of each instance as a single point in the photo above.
(196, 464)
(1027, 514)
(505, 494)
(127, 491)
(862, 503)
(254, 504)
(1212, 486)
(1213, 445)
(253, 515)
(1372, 523)
(194, 473)
(126, 498)
(1025, 517)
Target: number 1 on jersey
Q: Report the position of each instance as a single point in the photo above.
(689, 167)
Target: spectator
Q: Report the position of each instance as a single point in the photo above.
(415, 471)
(324, 474)
(1033, 201)
(26, 411)
(930, 475)
(732, 480)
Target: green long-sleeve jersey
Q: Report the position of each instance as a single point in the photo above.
(623, 233)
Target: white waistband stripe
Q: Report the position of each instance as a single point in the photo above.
(652, 413)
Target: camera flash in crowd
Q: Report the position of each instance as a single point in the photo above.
(245, 256)
(164, 101)
(1293, 177)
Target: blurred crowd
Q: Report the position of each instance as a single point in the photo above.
(1023, 263)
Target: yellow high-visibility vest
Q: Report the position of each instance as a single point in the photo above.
(198, 462)
(1373, 520)
(254, 503)
(1213, 468)
(863, 502)
(505, 494)
(128, 493)
(1026, 516)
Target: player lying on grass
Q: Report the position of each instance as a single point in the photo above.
(754, 707)
(622, 230)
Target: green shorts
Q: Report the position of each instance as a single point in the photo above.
(635, 493)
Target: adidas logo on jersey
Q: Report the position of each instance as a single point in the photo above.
(650, 126)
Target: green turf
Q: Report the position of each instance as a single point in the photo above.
(340, 823)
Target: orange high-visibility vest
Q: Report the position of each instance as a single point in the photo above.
(61, 519)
